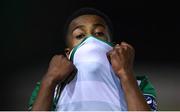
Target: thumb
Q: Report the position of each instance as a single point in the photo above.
(108, 56)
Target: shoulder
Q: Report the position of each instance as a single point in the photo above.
(148, 91)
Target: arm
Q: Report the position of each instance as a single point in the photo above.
(121, 58)
(134, 97)
(45, 96)
(59, 69)
(148, 91)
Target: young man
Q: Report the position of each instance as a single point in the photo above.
(94, 75)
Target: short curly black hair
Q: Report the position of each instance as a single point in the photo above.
(88, 11)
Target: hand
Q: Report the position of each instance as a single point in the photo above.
(121, 57)
(59, 69)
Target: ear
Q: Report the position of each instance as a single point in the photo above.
(67, 52)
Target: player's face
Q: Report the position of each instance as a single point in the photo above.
(85, 25)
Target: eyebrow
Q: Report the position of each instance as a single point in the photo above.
(82, 26)
(79, 26)
(99, 24)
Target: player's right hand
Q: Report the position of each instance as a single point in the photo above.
(59, 69)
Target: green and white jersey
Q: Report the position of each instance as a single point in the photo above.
(144, 84)
(95, 86)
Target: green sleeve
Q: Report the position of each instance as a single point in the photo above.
(145, 86)
(148, 91)
(34, 95)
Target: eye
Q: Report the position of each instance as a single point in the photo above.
(80, 36)
(99, 34)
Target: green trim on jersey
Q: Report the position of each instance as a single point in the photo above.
(81, 43)
(145, 86)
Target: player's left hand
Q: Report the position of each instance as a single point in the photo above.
(121, 57)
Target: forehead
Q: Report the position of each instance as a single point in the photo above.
(87, 19)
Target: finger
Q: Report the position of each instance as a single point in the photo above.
(108, 56)
(129, 49)
(59, 55)
(111, 55)
(117, 46)
(126, 45)
(114, 58)
(114, 55)
(119, 49)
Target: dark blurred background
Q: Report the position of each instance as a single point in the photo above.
(31, 33)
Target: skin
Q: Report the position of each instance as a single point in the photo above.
(121, 57)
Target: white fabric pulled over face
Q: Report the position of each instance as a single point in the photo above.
(95, 86)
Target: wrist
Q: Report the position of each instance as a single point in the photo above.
(125, 74)
(49, 81)
(129, 81)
